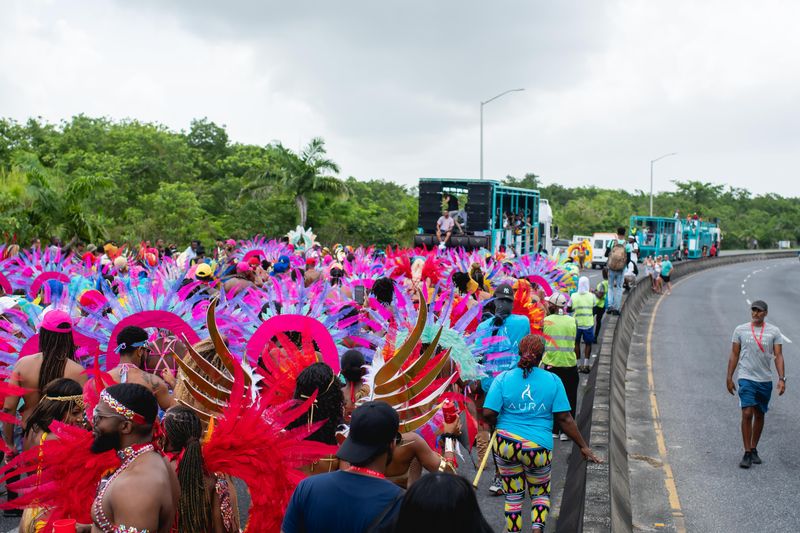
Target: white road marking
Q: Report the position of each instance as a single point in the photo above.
(743, 285)
(744, 292)
(787, 339)
(748, 301)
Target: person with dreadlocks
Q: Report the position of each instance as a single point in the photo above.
(142, 494)
(521, 404)
(133, 348)
(62, 402)
(328, 406)
(56, 359)
(354, 388)
(207, 502)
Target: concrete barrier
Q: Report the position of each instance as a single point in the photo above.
(607, 503)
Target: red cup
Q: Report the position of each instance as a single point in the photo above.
(66, 525)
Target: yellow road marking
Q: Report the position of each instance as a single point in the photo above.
(669, 479)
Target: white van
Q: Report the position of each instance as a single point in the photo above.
(580, 238)
(599, 244)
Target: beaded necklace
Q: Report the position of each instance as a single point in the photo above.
(128, 456)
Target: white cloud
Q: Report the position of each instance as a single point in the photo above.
(395, 87)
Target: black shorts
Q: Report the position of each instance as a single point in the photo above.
(665, 278)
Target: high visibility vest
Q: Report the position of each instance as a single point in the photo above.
(602, 302)
(582, 305)
(560, 350)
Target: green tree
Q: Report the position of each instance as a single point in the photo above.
(301, 175)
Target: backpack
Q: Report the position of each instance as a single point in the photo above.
(618, 257)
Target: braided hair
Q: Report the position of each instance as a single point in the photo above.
(56, 404)
(329, 403)
(184, 431)
(531, 349)
(56, 348)
(353, 366)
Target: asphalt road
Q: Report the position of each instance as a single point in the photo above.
(690, 345)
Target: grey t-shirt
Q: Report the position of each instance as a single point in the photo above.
(754, 364)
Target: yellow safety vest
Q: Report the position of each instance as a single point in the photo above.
(560, 351)
(582, 305)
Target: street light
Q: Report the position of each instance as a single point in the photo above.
(483, 104)
(651, 177)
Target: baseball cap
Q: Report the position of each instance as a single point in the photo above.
(557, 298)
(761, 305)
(52, 320)
(203, 271)
(373, 426)
(504, 291)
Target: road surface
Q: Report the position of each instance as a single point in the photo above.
(689, 343)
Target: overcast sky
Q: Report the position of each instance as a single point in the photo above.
(395, 86)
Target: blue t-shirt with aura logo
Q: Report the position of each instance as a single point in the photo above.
(526, 405)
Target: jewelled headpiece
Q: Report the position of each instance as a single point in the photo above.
(126, 412)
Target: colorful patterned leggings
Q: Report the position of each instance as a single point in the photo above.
(523, 464)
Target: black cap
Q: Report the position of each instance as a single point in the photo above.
(761, 305)
(504, 291)
(373, 427)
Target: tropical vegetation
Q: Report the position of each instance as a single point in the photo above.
(97, 179)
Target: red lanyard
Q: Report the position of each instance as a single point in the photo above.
(366, 471)
(758, 339)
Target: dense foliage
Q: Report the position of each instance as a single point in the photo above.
(96, 179)
(743, 217)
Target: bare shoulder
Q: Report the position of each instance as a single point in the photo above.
(152, 382)
(27, 369)
(75, 371)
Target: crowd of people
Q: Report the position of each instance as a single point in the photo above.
(340, 384)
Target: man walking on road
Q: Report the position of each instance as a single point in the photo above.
(755, 345)
(618, 253)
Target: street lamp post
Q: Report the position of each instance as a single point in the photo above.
(651, 177)
(483, 104)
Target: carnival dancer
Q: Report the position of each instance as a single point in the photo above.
(62, 402)
(133, 348)
(123, 421)
(56, 359)
(512, 328)
(319, 382)
(523, 403)
(208, 500)
(354, 388)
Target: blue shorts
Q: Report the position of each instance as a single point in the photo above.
(755, 394)
(585, 334)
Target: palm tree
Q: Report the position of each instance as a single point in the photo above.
(302, 174)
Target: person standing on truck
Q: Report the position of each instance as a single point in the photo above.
(618, 253)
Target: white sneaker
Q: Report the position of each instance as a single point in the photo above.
(496, 487)
(555, 435)
(563, 437)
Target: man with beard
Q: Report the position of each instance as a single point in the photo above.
(357, 499)
(142, 494)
